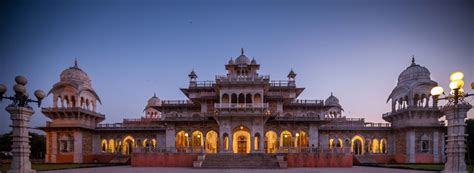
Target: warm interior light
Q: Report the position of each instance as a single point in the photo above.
(456, 76)
(186, 134)
(297, 134)
(437, 91)
(199, 136)
(286, 136)
(456, 84)
(472, 85)
(241, 127)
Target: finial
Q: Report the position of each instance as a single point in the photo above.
(75, 63)
(241, 51)
(331, 93)
(413, 59)
(154, 94)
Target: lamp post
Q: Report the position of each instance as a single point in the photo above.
(456, 112)
(20, 114)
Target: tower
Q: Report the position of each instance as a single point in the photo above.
(70, 133)
(414, 117)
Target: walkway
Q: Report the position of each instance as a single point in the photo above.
(124, 169)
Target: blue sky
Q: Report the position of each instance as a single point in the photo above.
(131, 49)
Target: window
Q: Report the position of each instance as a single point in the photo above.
(425, 146)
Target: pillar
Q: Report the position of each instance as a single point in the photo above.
(77, 147)
(456, 147)
(20, 117)
(313, 135)
(436, 146)
(170, 141)
(410, 138)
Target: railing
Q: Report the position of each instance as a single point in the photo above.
(240, 105)
(115, 125)
(377, 125)
(280, 83)
(242, 78)
(414, 108)
(308, 102)
(176, 102)
(205, 83)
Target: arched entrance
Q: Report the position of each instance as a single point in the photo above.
(181, 139)
(271, 143)
(128, 143)
(211, 142)
(241, 140)
(357, 145)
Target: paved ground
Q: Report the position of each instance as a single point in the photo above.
(123, 169)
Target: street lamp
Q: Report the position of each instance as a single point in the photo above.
(20, 114)
(455, 111)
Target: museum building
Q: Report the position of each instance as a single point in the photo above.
(244, 114)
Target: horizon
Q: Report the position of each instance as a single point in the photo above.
(132, 51)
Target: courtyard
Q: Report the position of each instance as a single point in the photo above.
(123, 169)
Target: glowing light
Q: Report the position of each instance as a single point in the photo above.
(186, 134)
(241, 127)
(456, 84)
(297, 134)
(199, 136)
(286, 136)
(437, 91)
(456, 76)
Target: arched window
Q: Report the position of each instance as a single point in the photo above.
(248, 98)
(234, 98)
(225, 98)
(241, 98)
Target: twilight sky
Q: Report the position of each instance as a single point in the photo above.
(131, 49)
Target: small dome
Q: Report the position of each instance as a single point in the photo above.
(75, 74)
(154, 101)
(332, 101)
(414, 72)
(231, 61)
(253, 62)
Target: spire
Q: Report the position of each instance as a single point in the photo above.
(241, 51)
(154, 95)
(75, 63)
(413, 60)
(331, 93)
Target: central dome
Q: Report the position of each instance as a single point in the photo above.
(332, 101)
(414, 72)
(75, 74)
(242, 59)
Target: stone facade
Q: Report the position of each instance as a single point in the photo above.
(245, 112)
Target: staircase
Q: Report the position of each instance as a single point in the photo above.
(120, 160)
(364, 160)
(249, 161)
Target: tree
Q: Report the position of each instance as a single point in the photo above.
(37, 143)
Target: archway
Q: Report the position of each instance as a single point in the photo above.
(286, 139)
(241, 140)
(211, 142)
(104, 145)
(111, 145)
(182, 139)
(128, 144)
(301, 139)
(383, 146)
(357, 145)
(375, 146)
(197, 139)
(271, 143)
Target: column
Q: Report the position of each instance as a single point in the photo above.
(20, 117)
(411, 158)
(436, 146)
(313, 136)
(96, 144)
(456, 147)
(252, 143)
(77, 147)
(170, 141)
(54, 147)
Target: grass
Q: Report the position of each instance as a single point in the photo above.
(47, 167)
(428, 167)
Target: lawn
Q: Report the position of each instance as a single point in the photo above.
(46, 167)
(429, 167)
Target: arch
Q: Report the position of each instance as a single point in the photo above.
(271, 142)
(111, 145)
(339, 143)
(234, 98)
(241, 140)
(357, 145)
(383, 146)
(181, 139)
(225, 98)
(211, 142)
(286, 139)
(103, 145)
(128, 144)
(257, 98)
(256, 141)
(146, 143)
(226, 141)
(375, 146)
(301, 139)
(241, 98)
(248, 98)
(154, 143)
(197, 139)
(331, 143)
